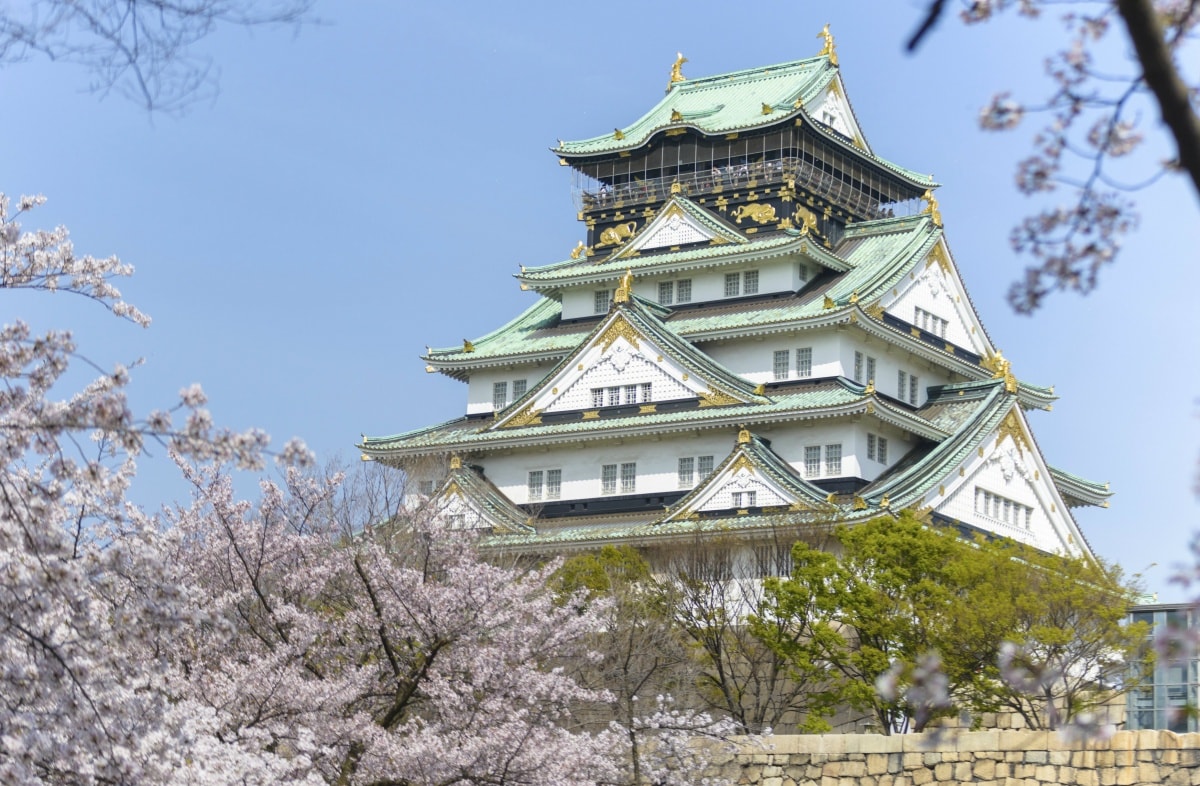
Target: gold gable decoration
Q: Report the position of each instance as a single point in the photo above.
(1011, 427)
(742, 462)
(716, 398)
(619, 328)
(1001, 369)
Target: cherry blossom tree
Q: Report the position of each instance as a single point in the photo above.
(1085, 162)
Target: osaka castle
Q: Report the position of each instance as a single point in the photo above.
(765, 328)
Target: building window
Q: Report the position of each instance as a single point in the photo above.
(930, 323)
(733, 284)
(877, 448)
(802, 272)
(425, 487)
(870, 369)
(901, 385)
(862, 362)
(687, 472)
(608, 479)
(553, 484)
(804, 362)
(631, 394)
(614, 396)
(519, 388)
(812, 461)
(833, 460)
(683, 291)
(536, 479)
(628, 477)
(744, 499)
(597, 397)
(782, 361)
(499, 395)
(646, 396)
(1003, 509)
(913, 388)
(750, 282)
(600, 304)
(858, 366)
(689, 465)
(666, 292)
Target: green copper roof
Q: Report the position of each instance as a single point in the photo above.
(1079, 491)
(734, 102)
(480, 492)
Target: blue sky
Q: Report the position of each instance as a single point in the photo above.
(370, 185)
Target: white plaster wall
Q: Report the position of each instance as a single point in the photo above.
(624, 365)
(933, 290)
(743, 480)
(753, 358)
(889, 361)
(479, 388)
(789, 441)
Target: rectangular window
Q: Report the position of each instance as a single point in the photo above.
(597, 397)
(750, 282)
(425, 487)
(870, 369)
(687, 472)
(499, 395)
(683, 291)
(1003, 509)
(553, 483)
(647, 392)
(744, 499)
(600, 304)
(519, 388)
(614, 396)
(804, 362)
(901, 385)
(733, 284)
(608, 479)
(782, 360)
(628, 477)
(631, 394)
(882, 450)
(535, 485)
(666, 292)
(802, 272)
(833, 460)
(913, 388)
(858, 366)
(812, 461)
(704, 466)
(871, 447)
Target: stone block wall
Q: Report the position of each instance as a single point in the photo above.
(985, 758)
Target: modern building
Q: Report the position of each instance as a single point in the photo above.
(1171, 695)
(765, 327)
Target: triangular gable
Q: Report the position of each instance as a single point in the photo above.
(832, 108)
(467, 500)
(632, 353)
(932, 298)
(679, 222)
(1005, 487)
(752, 476)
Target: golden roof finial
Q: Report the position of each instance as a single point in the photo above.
(829, 48)
(624, 288)
(1001, 369)
(676, 116)
(743, 436)
(468, 346)
(932, 207)
(869, 390)
(885, 503)
(677, 71)
(577, 252)
(618, 134)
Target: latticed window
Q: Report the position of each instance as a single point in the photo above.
(733, 284)
(833, 459)
(536, 480)
(683, 291)
(882, 450)
(804, 362)
(425, 487)
(802, 271)
(687, 472)
(600, 305)
(597, 397)
(781, 362)
(871, 447)
(553, 483)
(499, 395)
(628, 477)
(858, 367)
(750, 282)
(744, 499)
(929, 322)
(519, 388)
(870, 369)
(901, 384)
(614, 396)
(812, 461)
(631, 393)
(666, 292)
(1003, 509)
(608, 479)
(913, 388)
(704, 466)
(647, 392)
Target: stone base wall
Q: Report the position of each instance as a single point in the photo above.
(985, 758)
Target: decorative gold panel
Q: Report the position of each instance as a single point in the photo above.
(1011, 427)
(526, 417)
(716, 398)
(455, 462)
(618, 234)
(647, 409)
(619, 328)
(591, 414)
(760, 213)
(742, 462)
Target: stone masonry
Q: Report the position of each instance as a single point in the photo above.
(984, 758)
